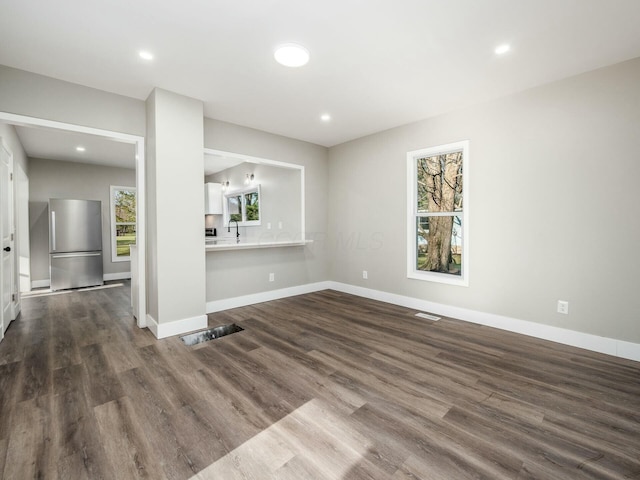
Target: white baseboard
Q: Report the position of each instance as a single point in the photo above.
(610, 346)
(628, 350)
(177, 327)
(40, 283)
(116, 276)
(152, 325)
(243, 301)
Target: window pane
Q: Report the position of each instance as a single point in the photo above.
(125, 235)
(125, 205)
(440, 183)
(439, 244)
(252, 206)
(234, 204)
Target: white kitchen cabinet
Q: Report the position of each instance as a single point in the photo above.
(212, 199)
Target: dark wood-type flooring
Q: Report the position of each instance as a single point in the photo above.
(319, 386)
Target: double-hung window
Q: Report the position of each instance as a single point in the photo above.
(437, 214)
(123, 222)
(243, 206)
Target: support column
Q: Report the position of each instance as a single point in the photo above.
(176, 298)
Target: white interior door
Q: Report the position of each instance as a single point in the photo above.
(6, 239)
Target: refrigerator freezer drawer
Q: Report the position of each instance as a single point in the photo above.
(74, 270)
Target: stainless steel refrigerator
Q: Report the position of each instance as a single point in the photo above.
(75, 243)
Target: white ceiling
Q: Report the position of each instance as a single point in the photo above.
(374, 64)
(54, 144)
(217, 163)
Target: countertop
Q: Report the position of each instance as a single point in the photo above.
(225, 243)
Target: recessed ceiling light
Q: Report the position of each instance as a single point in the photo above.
(325, 117)
(291, 55)
(502, 49)
(145, 55)
(80, 148)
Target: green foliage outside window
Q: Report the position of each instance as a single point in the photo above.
(252, 205)
(125, 220)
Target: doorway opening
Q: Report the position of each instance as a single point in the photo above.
(137, 142)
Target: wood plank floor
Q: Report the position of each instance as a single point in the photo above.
(319, 386)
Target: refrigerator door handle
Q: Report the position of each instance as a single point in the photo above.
(68, 255)
(53, 230)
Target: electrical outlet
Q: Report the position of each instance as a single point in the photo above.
(272, 277)
(268, 225)
(280, 225)
(563, 307)
(365, 275)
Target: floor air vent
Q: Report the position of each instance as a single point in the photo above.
(427, 316)
(210, 334)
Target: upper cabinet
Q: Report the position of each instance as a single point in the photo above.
(212, 199)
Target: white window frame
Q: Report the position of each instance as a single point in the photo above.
(412, 214)
(114, 224)
(241, 192)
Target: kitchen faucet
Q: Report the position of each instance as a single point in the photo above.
(237, 231)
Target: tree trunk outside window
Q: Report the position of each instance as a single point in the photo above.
(441, 180)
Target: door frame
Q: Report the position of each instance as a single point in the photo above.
(21, 196)
(138, 141)
(14, 302)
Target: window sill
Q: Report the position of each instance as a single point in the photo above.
(460, 281)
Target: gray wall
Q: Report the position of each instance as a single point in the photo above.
(57, 179)
(27, 93)
(554, 204)
(235, 273)
(553, 198)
